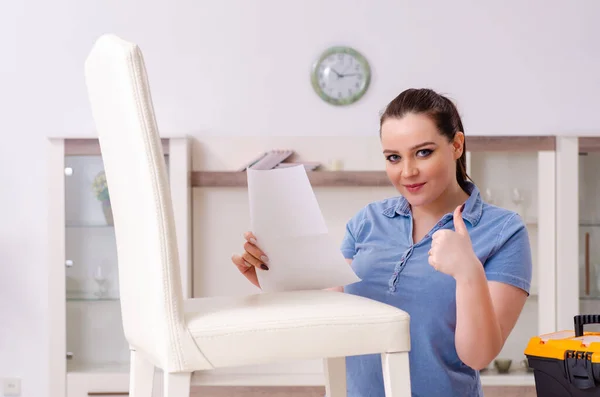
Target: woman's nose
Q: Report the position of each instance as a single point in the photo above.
(410, 169)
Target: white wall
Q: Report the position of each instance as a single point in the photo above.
(240, 67)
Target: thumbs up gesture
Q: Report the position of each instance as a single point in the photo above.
(451, 251)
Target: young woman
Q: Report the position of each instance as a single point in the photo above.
(461, 268)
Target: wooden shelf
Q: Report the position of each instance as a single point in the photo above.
(316, 178)
(589, 144)
(91, 147)
(510, 143)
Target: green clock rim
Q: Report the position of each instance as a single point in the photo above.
(340, 50)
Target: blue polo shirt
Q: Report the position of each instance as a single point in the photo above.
(395, 270)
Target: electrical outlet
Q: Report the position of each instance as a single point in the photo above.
(12, 387)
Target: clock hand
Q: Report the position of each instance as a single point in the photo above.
(335, 71)
(347, 67)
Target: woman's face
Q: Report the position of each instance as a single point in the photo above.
(420, 162)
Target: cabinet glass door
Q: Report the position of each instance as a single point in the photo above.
(589, 227)
(94, 332)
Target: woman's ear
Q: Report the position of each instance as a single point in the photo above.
(458, 144)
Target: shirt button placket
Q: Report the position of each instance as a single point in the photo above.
(398, 269)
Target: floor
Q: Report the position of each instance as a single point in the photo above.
(215, 391)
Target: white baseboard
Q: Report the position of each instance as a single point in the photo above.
(253, 379)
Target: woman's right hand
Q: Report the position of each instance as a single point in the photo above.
(252, 260)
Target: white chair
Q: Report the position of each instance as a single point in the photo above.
(182, 336)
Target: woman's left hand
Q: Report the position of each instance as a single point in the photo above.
(451, 250)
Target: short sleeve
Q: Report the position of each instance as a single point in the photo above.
(510, 261)
(352, 229)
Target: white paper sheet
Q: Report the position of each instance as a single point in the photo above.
(290, 229)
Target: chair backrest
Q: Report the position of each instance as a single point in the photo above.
(149, 280)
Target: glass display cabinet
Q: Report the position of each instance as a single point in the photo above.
(88, 350)
(517, 173)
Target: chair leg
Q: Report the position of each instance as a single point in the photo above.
(141, 376)
(335, 376)
(396, 374)
(177, 384)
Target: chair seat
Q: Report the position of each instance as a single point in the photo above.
(269, 327)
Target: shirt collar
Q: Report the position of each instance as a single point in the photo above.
(471, 213)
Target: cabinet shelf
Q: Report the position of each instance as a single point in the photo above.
(589, 298)
(108, 367)
(82, 296)
(89, 226)
(316, 178)
(519, 377)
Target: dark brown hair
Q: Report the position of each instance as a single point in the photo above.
(441, 110)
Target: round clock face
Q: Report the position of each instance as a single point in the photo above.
(341, 76)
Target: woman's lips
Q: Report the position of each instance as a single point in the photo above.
(415, 187)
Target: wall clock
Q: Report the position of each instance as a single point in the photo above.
(341, 75)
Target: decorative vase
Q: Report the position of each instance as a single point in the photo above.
(502, 365)
(107, 210)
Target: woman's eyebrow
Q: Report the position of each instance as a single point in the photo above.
(420, 145)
